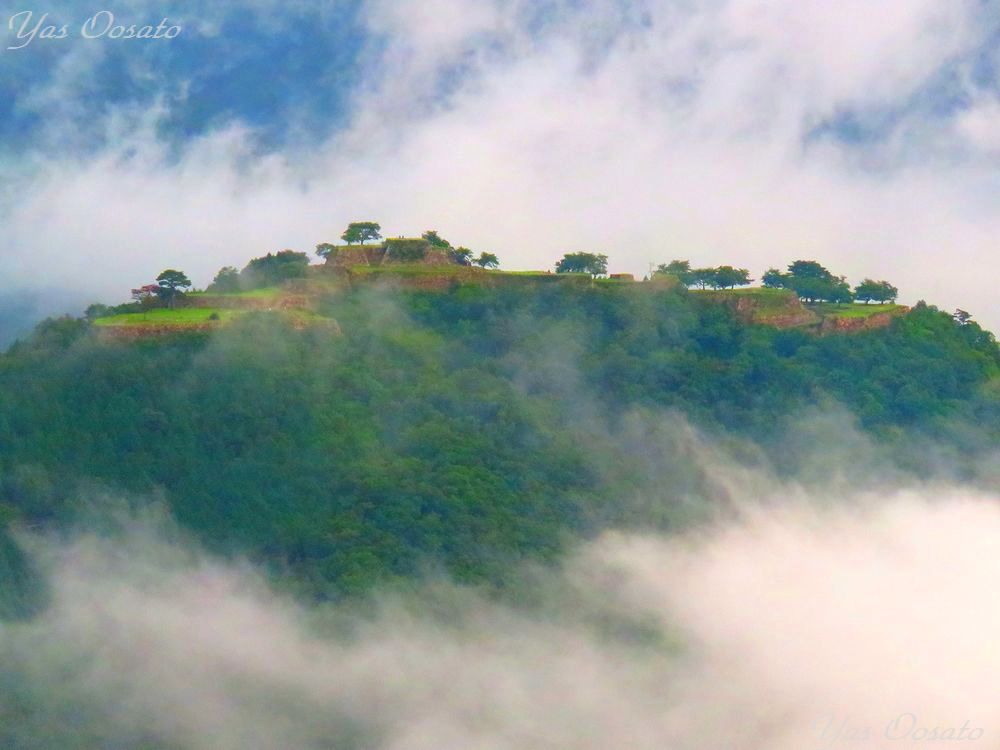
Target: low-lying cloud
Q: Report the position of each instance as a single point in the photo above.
(737, 132)
(797, 623)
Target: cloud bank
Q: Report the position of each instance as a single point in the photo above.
(798, 624)
(726, 132)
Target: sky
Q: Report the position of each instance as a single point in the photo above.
(744, 132)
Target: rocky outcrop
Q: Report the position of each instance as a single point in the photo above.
(833, 324)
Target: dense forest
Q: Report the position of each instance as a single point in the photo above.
(460, 431)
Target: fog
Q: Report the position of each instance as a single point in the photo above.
(791, 620)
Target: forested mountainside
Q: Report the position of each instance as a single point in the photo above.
(464, 429)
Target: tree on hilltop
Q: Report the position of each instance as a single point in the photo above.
(436, 240)
(171, 285)
(324, 250)
(870, 290)
(702, 278)
(274, 268)
(811, 281)
(487, 260)
(773, 279)
(679, 268)
(461, 255)
(593, 263)
(727, 277)
(227, 280)
(361, 232)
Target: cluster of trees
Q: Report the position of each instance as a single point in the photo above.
(453, 440)
(813, 282)
(870, 290)
(593, 263)
(461, 255)
(267, 270)
(720, 277)
(169, 288)
(810, 281)
(365, 231)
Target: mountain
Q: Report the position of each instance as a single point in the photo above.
(373, 428)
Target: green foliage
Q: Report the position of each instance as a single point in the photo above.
(487, 260)
(406, 250)
(875, 291)
(592, 263)
(451, 430)
(273, 269)
(721, 277)
(811, 281)
(435, 239)
(679, 268)
(727, 277)
(460, 255)
(226, 281)
(96, 310)
(361, 232)
(326, 251)
(172, 285)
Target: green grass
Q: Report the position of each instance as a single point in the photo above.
(269, 291)
(191, 316)
(183, 316)
(852, 309)
(766, 297)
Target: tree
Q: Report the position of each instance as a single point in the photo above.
(146, 295)
(325, 250)
(727, 277)
(875, 291)
(171, 286)
(274, 268)
(461, 255)
(773, 279)
(679, 268)
(435, 239)
(227, 280)
(962, 317)
(96, 310)
(592, 263)
(809, 269)
(361, 232)
(840, 292)
(487, 260)
(814, 283)
(702, 277)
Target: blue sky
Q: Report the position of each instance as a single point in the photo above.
(749, 132)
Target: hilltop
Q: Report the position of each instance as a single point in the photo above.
(420, 264)
(348, 424)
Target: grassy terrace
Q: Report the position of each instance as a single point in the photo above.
(183, 316)
(265, 293)
(853, 309)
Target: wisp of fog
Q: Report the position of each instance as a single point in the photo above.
(797, 623)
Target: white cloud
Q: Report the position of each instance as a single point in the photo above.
(668, 130)
(780, 630)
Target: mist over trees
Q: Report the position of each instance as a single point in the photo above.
(439, 427)
(274, 268)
